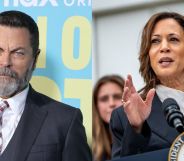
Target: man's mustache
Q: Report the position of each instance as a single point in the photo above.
(7, 72)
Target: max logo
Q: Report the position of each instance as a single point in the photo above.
(30, 3)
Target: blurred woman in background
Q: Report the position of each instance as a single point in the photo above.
(107, 95)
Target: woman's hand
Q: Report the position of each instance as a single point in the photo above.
(136, 109)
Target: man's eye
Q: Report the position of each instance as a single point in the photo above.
(19, 53)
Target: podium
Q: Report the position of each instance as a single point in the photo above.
(158, 155)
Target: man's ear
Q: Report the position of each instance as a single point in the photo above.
(36, 58)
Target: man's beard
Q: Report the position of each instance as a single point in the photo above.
(13, 84)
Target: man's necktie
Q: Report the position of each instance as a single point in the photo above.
(3, 106)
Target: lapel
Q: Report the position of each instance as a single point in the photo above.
(158, 123)
(28, 127)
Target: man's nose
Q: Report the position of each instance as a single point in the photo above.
(5, 59)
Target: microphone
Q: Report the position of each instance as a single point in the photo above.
(173, 114)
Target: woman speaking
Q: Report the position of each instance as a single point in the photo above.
(140, 125)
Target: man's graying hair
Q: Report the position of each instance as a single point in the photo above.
(22, 20)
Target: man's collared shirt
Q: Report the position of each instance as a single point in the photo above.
(11, 116)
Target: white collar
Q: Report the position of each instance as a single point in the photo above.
(17, 102)
(164, 92)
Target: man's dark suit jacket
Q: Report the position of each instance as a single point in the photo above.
(156, 133)
(48, 131)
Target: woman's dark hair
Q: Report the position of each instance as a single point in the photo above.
(146, 70)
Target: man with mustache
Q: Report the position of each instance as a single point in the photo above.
(33, 127)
